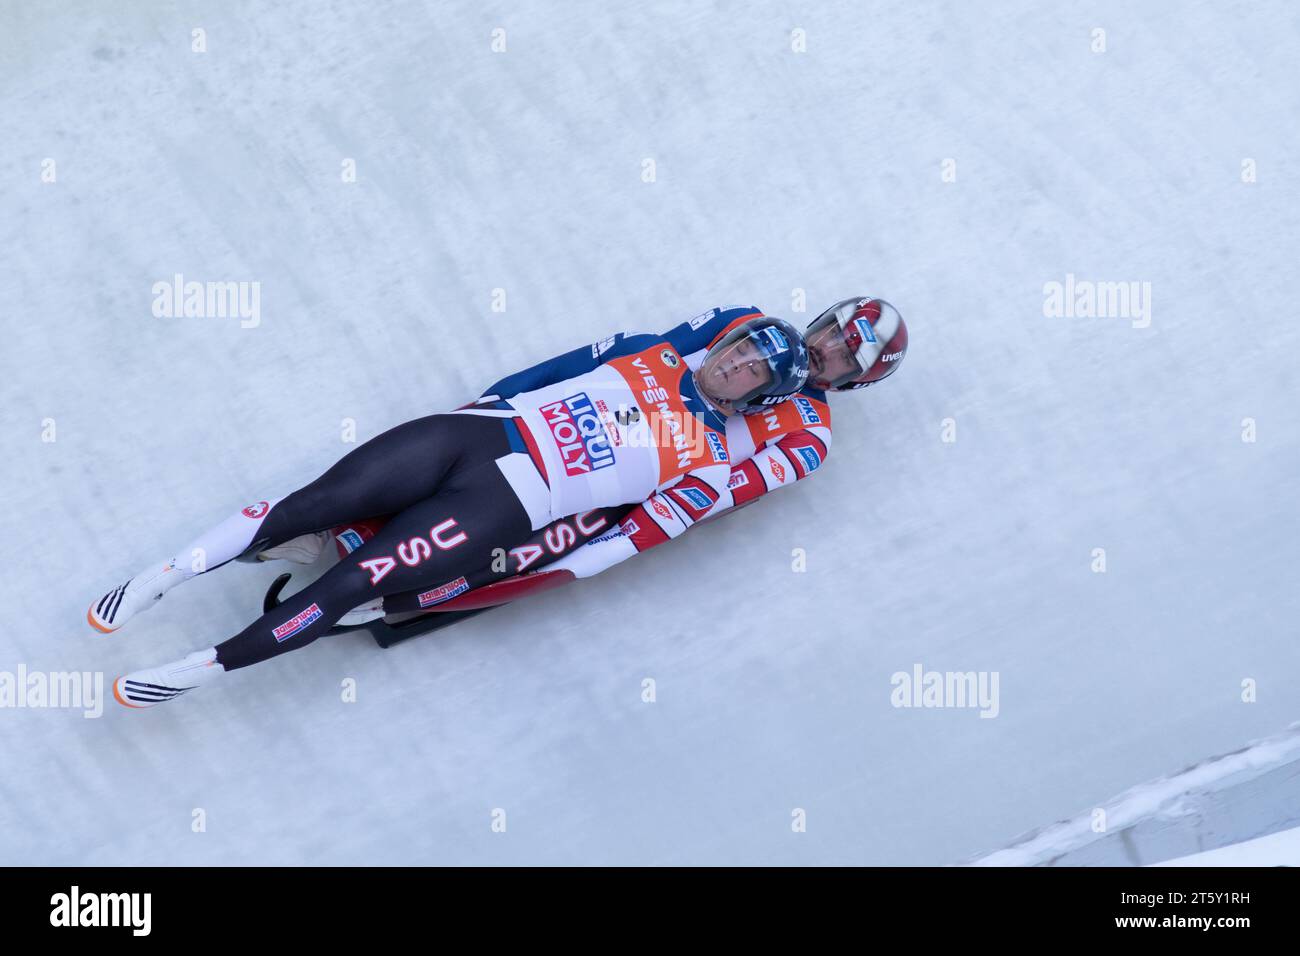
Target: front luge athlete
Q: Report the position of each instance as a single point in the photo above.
(603, 425)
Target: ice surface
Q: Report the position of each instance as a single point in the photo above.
(774, 171)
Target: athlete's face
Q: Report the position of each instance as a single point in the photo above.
(829, 359)
(733, 373)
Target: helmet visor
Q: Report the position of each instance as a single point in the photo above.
(759, 363)
(845, 341)
(743, 367)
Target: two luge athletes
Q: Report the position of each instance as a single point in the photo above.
(678, 422)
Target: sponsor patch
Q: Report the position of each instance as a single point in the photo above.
(811, 460)
(695, 497)
(738, 479)
(807, 411)
(661, 509)
(777, 469)
(296, 623)
(579, 434)
(702, 318)
(774, 339)
(256, 510)
(607, 417)
(444, 592)
(865, 330)
(350, 539)
(669, 358)
(716, 446)
(630, 526)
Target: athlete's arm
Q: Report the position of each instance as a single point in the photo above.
(792, 457)
(663, 516)
(569, 365)
(666, 515)
(699, 333)
(690, 336)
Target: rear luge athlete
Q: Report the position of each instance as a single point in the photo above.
(856, 343)
(603, 425)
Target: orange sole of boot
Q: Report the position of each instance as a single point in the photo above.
(90, 619)
(121, 700)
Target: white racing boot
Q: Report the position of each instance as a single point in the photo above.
(223, 542)
(139, 593)
(146, 688)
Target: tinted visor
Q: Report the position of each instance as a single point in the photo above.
(845, 346)
(740, 351)
(768, 352)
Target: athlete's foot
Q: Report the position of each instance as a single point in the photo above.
(146, 688)
(372, 610)
(139, 593)
(304, 549)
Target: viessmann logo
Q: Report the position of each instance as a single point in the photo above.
(579, 434)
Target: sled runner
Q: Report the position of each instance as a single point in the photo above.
(392, 628)
(399, 626)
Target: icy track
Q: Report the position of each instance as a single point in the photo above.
(774, 170)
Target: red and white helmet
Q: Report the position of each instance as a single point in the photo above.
(873, 337)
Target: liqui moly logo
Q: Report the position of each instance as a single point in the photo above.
(444, 592)
(296, 623)
(579, 434)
